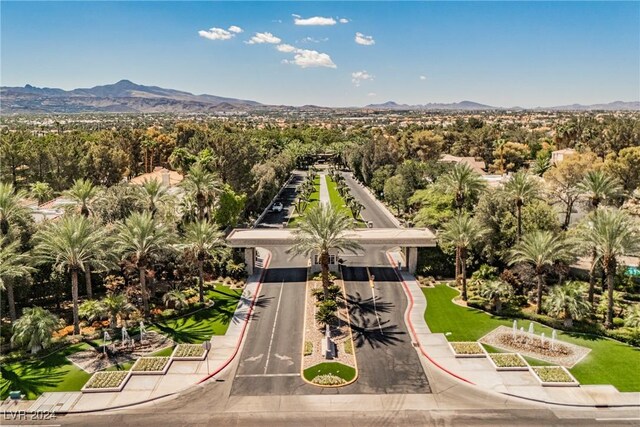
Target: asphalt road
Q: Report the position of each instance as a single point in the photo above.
(287, 197)
(387, 361)
(372, 211)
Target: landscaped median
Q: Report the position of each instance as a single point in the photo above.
(320, 312)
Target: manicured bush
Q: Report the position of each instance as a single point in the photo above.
(328, 379)
(150, 364)
(308, 348)
(552, 374)
(467, 347)
(110, 379)
(507, 360)
(334, 292)
(189, 350)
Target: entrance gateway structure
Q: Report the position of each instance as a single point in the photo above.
(374, 241)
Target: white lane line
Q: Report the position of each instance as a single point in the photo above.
(617, 419)
(375, 307)
(273, 331)
(269, 375)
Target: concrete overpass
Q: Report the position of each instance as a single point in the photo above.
(375, 242)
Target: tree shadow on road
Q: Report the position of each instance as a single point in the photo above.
(368, 331)
(360, 307)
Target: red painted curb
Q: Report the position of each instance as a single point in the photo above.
(413, 331)
(244, 327)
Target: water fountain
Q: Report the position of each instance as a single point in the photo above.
(531, 328)
(553, 338)
(142, 330)
(522, 333)
(515, 329)
(542, 340)
(106, 337)
(125, 336)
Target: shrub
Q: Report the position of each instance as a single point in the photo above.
(169, 312)
(552, 374)
(328, 379)
(334, 292)
(110, 379)
(150, 364)
(189, 350)
(326, 312)
(348, 346)
(308, 348)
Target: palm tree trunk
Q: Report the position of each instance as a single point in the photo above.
(539, 297)
(87, 281)
(463, 273)
(324, 264)
(567, 216)
(201, 280)
(11, 301)
(143, 288)
(74, 295)
(519, 206)
(457, 266)
(592, 277)
(611, 271)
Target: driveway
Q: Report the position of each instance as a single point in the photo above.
(372, 210)
(287, 197)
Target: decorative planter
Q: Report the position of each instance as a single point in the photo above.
(106, 381)
(541, 373)
(185, 349)
(522, 364)
(141, 366)
(467, 349)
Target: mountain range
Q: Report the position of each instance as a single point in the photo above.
(128, 97)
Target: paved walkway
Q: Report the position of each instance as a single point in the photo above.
(324, 190)
(480, 372)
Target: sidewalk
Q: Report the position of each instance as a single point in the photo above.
(480, 372)
(180, 376)
(324, 190)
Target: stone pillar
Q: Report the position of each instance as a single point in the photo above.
(412, 260)
(249, 260)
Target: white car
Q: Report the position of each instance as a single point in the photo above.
(277, 207)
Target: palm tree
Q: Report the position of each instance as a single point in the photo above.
(202, 185)
(356, 208)
(495, 291)
(321, 230)
(34, 329)
(567, 301)
(540, 249)
(632, 316)
(463, 182)
(155, 193)
(116, 305)
(13, 264)
(462, 232)
(82, 192)
(42, 191)
(202, 240)
(92, 310)
(597, 186)
(522, 188)
(10, 207)
(71, 243)
(613, 234)
(140, 237)
(499, 145)
(176, 298)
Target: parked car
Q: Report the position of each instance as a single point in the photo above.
(277, 207)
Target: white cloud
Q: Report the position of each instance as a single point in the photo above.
(364, 40)
(315, 20)
(286, 48)
(372, 94)
(235, 29)
(216, 34)
(358, 77)
(305, 58)
(343, 20)
(260, 38)
(312, 40)
(423, 77)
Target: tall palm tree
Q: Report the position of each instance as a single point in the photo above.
(71, 243)
(140, 238)
(567, 301)
(10, 207)
(13, 264)
(202, 185)
(82, 192)
(202, 240)
(323, 229)
(155, 193)
(597, 186)
(42, 191)
(116, 305)
(612, 233)
(34, 329)
(541, 249)
(463, 182)
(521, 189)
(462, 232)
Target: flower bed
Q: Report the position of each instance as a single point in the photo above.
(151, 366)
(465, 349)
(328, 379)
(106, 381)
(554, 376)
(189, 352)
(508, 362)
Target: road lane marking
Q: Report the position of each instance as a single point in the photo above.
(273, 331)
(375, 307)
(269, 375)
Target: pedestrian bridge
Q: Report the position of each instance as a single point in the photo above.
(374, 241)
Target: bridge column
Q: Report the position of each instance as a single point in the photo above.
(412, 259)
(249, 260)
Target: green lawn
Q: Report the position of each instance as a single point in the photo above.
(609, 362)
(338, 202)
(345, 372)
(314, 199)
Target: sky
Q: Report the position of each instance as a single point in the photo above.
(333, 53)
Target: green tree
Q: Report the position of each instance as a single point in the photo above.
(322, 230)
(230, 207)
(521, 189)
(632, 316)
(71, 243)
(597, 187)
(141, 238)
(202, 240)
(92, 310)
(613, 234)
(203, 186)
(116, 305)
(34, 329)
(495, 291)
(567, 301)
(11, 209)
(82, 192)
(462, 232)
(464, 183)
(397, 192)
(175, 298)
(625, 165)
(435, 207)
(13, 265)
(155, 193)
(42, 191)
(541, 249)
